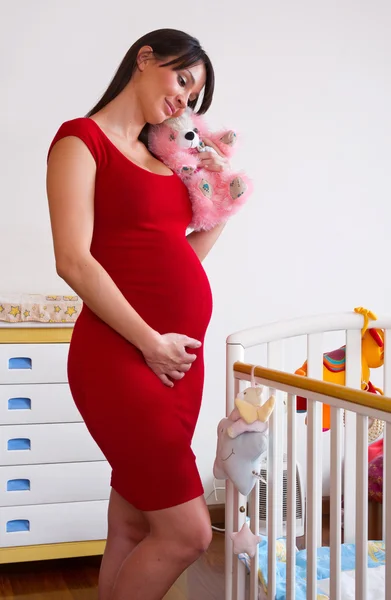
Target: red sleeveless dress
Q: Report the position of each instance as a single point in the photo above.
(143, 428)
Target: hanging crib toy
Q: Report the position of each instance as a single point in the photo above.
(242, 438)
(334, 368)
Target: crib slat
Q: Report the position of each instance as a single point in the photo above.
(229, 519)
(315, 370)
(335, 502)
(386, 516)
(387, 537)
(291, 501)
(274, 469)
(353, 379)
(239, 518)
(312, 455)
(254, 520)
(314, 494)
(271, 504)
(384, 485)
(234, 352)
(239, 566)
(387, 391)
(362, 508)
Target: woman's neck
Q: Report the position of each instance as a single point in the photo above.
(122, 117)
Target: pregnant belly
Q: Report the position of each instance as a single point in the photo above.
(166, 284)
(173, 298)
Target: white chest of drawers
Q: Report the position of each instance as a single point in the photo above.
(54, 480)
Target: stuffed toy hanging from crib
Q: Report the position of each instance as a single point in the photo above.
(242, 438)
(215, 196)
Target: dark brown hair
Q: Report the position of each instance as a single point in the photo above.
(165, 43)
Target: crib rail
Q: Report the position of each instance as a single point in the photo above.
(348, 456)
(351, 399)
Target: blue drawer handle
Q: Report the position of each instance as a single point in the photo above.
(19, 404)
(18, 525)
(19, 444)
(20, 362)
(18, 485)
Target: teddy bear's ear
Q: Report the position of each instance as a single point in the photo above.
(229, 138)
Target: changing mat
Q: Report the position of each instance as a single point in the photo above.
(41, 308)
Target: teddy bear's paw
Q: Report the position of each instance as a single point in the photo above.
(266, 409)
(206, 188)
(188, 171)
(228, 138)
(237, 188)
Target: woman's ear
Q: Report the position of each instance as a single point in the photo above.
(144, 56)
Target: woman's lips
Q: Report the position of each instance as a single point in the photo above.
(170, 107)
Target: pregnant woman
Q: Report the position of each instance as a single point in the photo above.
(119, 219)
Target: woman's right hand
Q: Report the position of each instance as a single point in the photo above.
(167, 357)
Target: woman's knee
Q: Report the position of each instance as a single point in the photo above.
(200, 536)
(194, 540)
(186, 543)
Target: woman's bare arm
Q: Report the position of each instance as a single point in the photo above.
(70, 189)
(202, 242)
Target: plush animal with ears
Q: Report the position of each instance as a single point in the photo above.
(215, 196)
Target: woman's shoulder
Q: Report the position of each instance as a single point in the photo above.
(76, 126)
(85, 129)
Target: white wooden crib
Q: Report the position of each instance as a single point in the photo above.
(282, 347)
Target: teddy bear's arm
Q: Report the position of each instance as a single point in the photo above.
(224, 140)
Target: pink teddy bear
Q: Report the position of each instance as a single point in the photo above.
(215, 196)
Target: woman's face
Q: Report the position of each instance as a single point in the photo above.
(164, 93)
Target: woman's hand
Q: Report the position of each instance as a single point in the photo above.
(211, 161)
(168, 358)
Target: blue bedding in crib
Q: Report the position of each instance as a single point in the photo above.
(376, 557)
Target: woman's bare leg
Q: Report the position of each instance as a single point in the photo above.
(177, 537)
(127, 527)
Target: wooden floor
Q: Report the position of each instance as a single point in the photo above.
(77, 579)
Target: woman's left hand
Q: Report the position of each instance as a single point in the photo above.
(211, 161)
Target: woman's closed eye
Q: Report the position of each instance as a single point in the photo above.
(183, 82)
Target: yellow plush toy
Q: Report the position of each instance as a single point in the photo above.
(372, 356)
(250, 414)
(250, 407)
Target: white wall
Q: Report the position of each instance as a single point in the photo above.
(307, 84)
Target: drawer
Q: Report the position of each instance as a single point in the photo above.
(53, 523)
(33, 363)
(53, 443)
(47, 484)
(37, 403)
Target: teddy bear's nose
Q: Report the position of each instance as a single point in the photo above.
(189, 135)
